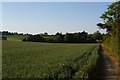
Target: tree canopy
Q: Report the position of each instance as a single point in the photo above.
(80, 37)
(111, 19)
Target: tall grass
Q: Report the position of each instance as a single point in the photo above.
(112, 43)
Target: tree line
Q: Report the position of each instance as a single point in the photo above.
(80, 37)
(11, 33)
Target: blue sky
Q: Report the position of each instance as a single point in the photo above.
(58, 0)
(52, 17)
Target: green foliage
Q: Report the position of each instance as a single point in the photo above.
(91, 60)
(15, 37)
(111, 18)
(97, 36)
(34, 38)
(112, 24)
(47, 60)
(69, 37)
(105, 36)
(82, 37)
(4, 38)
(113, 45)
(59, 38)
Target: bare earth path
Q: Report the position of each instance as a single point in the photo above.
(107, 67)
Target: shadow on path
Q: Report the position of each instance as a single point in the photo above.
(104, 69)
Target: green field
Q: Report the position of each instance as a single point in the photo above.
(15, 37)
(47, 60)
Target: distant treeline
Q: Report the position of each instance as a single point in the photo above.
(3, 38)
(11, 33)
(80, 37)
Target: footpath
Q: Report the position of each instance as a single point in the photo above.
(107, 66)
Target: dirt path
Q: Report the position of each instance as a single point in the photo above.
(107, 67)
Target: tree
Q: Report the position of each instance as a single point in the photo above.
(34, 38)
(83, 36)
(59, 37)
(111, 19)
(90, 39)
(77, 37)
(69, 38)
(97, 35)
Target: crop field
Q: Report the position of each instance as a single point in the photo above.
(47, 60)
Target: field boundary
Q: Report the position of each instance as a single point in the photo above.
(107, 66)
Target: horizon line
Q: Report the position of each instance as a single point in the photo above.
(51, 33)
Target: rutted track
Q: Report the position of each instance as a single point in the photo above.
(107, 67)
(79, 68)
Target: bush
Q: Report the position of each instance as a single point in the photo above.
(4, 38)
(34, 38)
(112, 44)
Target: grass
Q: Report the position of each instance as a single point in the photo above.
(47, 60)
(112, 43)
(15, 37)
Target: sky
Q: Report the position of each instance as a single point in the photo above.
(59, 0)
(52, 17)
